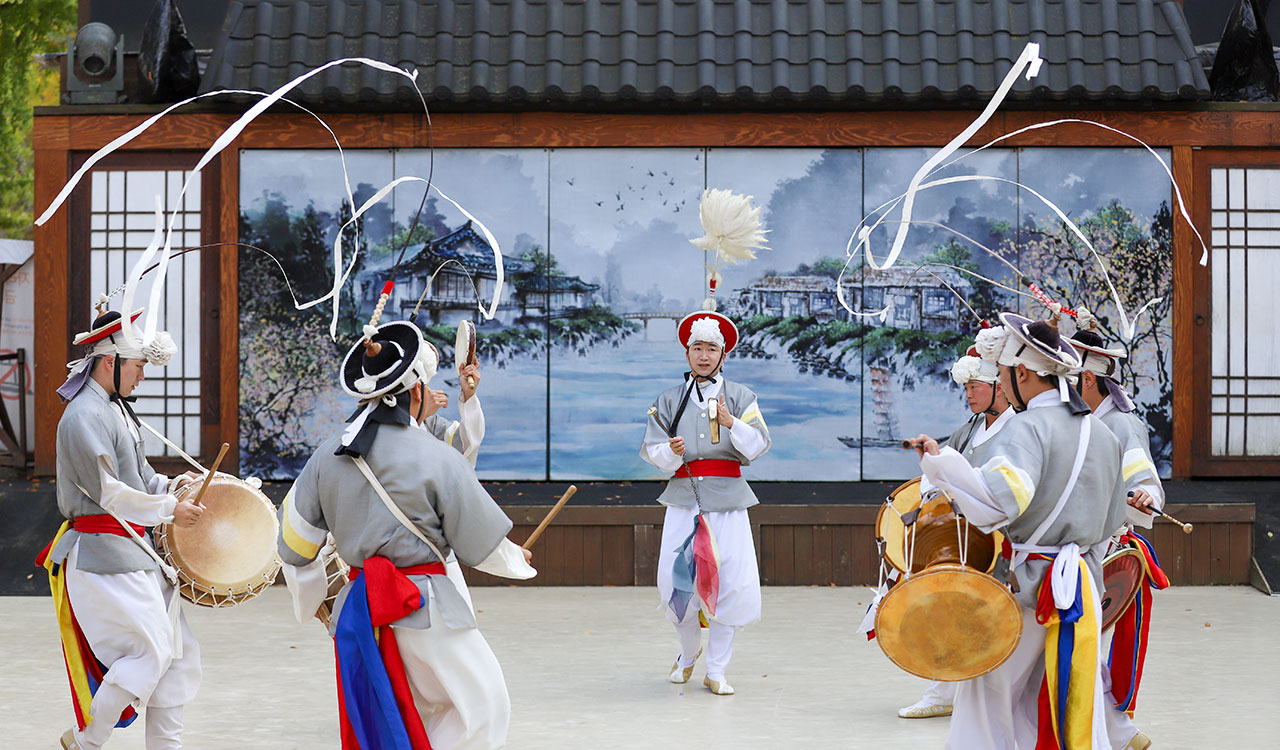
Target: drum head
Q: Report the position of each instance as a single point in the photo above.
(949, 623)
(234, 544)
(889, 526)
(1122, 576)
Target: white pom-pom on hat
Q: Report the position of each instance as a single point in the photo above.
(161, 349)
(706, 330)
(990, 342)
(969, 368)
(731, 224)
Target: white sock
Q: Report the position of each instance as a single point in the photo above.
(164, 728)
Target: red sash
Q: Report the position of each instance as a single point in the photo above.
(386, 589)
(103, 524)
(709, 467)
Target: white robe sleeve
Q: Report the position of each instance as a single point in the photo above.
(471, 428)
(507, 561)
(134, 506)
(661, 456)
(159, 484)
(950, 472)
(747, 439)
(1137, 517)
(308, 584)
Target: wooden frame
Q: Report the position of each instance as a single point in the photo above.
(78, 297)
(57, 134)
(1196, 318)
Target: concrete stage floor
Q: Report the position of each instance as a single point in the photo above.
(587, 667)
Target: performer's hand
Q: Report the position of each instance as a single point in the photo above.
(925, 444)
(433, 402)
(468, 389)
(186, 479)
(723, 415)
(677, 445)
(187, 513)
(528, 556)
(1142, 500)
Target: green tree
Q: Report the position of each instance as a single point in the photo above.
(544, 262)
(27, 27)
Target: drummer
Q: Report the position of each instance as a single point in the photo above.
(1113, 405)
(439, 663)
(980, 379)
(704, 430)
(1100, 389)
(1052, 480)
(106, 579)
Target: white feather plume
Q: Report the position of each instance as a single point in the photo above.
(990, 342)
(731, 224)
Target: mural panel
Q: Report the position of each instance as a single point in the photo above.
(799, 349)
(908, 356)
(622, 273)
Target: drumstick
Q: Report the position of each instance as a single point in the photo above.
(1186, 527)
(910, 443)
(653, 412)
(209, 477)
(550, 515)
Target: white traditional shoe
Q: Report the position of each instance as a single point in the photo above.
(680, 675)
(718, 687)
(69, 740)
(1140, 741)
(923, 711)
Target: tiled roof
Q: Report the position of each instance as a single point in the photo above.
(725, 54)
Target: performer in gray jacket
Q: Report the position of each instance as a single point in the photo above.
(399, 501)
(1100, 388)
(979, 375)
(703, 431)
(108, 572)
(1052, 481)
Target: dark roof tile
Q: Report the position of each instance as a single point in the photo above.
(726, 53)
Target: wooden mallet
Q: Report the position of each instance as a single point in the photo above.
(1186, 527)
(209, 477)
(528, 543)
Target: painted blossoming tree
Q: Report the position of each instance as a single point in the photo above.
(1139, 259)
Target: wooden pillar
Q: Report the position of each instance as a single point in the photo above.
(1186, 265)
(52, 350)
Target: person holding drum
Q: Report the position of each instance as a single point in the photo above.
(1052, 480)
(363, 487)
(703, 431)
(106, 578)
(1114, 406)
(979, 377)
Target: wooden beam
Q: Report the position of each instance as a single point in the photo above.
(50, 306)
(1186, 266)
(228, 309)
(722, 130)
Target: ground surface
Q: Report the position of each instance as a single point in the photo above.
(587, 666)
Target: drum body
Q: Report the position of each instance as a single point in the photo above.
(947, 618)
(336, 571)
(936, 538)
(1123, 573)
(230, 555)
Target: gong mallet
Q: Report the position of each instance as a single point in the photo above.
(1186, 527)
(209, 477)
(528, 543)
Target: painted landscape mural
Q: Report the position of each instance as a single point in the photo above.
(598, 269)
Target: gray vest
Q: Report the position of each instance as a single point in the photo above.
(717, 494)
(93, 427)
(1133, 436)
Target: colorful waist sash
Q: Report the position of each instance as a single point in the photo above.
(375, 706)
(1070, 658)
(1129, 637)
(709, 467)
(84, 671)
